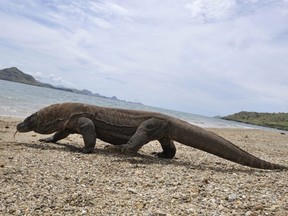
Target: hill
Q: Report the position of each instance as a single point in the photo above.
(272, 120)
(13, 74)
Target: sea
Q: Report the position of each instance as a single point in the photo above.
(21, 100)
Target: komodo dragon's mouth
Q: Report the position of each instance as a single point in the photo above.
(22, 127)
(29, 124)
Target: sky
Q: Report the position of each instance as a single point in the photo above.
(206, 57)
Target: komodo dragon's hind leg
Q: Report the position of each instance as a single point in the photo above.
(151, 129)
(169, 149)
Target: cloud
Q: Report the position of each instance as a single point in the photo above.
(52, 79)
(38, 75)
(59, 80)
(211, 9)
(206, 57)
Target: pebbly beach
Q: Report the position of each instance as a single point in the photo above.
(57, 179)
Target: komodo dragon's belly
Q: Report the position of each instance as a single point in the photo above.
(115, 135)
(115, 128)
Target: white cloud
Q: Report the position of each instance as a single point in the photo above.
(109, 8)
(59, 81)
(38, 75)
(211, 9)
(193, 55)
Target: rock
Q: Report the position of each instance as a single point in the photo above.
(258, 207)
(273, 207)
(158, 213)
(132, 190)
(231, 197)
(84, 211)
(248, 213)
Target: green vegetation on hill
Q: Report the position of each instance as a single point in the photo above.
(273, 120)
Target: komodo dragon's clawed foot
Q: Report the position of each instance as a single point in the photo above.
(87, 150)
(47, 140)
(121, 148)
(111, 148)
(162, 155)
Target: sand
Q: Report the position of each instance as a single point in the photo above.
(57, 179)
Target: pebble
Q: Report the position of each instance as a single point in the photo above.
(158, 213)
(258, 207)
(232, 197)
(131, 190)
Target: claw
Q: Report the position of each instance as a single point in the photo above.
(88, 150)
(47, 140)
(117, 148)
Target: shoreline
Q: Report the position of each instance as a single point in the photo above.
(55, 179)
(206, 127)
(13, 104)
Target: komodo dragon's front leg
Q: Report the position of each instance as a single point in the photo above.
(56, 137)
(151, 129)
(85, 127)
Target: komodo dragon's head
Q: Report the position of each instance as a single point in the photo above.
(29, 124)
(43, 122)
(52, 118)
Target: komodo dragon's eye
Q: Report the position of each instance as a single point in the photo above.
(32, 118)
(31, 121)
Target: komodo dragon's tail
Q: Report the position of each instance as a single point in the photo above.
(199, 138)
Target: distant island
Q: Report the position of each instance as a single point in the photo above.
(13, 74)
(272, 120)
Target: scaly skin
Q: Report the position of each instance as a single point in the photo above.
(132, 129)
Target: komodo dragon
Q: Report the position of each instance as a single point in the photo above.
(132, 129)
